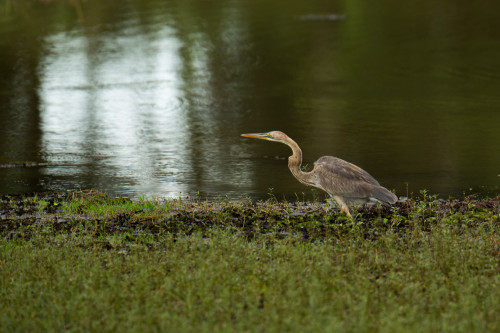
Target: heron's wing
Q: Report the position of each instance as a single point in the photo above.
(339, 177)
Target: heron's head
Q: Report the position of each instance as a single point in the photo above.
(270, 136)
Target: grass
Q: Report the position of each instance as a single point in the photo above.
(90, 262)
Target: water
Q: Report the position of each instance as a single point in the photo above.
(149, 97)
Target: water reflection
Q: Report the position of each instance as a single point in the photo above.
(121, 112)
(137, 112)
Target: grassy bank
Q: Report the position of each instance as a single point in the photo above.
(92, 262)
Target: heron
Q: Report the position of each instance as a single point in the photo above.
(345, 182)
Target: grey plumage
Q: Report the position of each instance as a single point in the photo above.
(339, 177)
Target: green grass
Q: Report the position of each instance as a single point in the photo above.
(432, 267)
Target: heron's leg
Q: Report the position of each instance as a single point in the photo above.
(343, 206)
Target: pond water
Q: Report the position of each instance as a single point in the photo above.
(149, 97)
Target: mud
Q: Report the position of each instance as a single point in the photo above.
(22, 216)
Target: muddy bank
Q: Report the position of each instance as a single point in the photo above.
(96, 214)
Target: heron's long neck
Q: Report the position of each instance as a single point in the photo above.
(295, 161)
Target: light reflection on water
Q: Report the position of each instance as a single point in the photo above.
(122, 113)
(120, 116)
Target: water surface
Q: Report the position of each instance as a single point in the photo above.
(149, 97)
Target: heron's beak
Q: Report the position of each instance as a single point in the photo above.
(262, 136)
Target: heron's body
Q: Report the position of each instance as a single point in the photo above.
(343, 181)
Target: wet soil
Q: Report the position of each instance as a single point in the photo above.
(22, 216)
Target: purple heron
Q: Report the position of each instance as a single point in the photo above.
(345, 182)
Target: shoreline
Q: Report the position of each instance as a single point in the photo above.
(309, 220)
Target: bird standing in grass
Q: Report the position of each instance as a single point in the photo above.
(345, 182)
